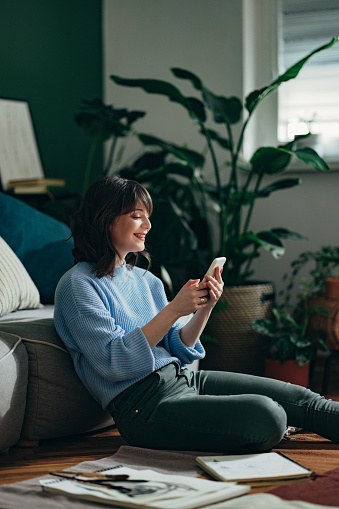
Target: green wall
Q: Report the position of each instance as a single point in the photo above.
(51, 56)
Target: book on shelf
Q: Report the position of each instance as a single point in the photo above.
(36, 182)
(142, 489)
(263, 468)
(20, 165)
(34, 186)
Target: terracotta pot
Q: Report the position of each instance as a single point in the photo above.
(330, 324)
(289, 371)
(332, 288)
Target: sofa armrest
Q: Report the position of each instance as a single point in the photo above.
(57, 403)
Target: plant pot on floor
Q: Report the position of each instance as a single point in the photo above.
(332, 288)
(239, 348)
(328, 324)
(288, 371)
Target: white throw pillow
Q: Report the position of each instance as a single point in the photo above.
(17, 290)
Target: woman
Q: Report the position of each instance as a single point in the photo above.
(130, 348)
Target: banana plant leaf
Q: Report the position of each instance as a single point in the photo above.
(278, 185)
(153, 86)
(284, 233)
(190, 156)
(103, 122)
(225, 109)
(269, 240)
(292, 72)
(150, 160)
(309, 156)
(270, 160)
(184, 170)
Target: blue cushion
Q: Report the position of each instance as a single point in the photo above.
(39, 241)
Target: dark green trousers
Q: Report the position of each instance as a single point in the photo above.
(178, 409)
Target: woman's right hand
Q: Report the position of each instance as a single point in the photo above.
(192, 296)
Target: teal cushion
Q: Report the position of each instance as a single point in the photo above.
(39, 241)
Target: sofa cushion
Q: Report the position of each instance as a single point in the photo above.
(57, 403)
(39, 241)
(17, 290)
(13, 387)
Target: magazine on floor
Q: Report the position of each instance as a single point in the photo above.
(127, 487)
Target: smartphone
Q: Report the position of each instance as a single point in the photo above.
(217, 262)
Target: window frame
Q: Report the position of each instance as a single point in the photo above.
(260, 67)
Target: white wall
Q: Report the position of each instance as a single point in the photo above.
(144, 39)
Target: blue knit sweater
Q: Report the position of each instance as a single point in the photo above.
(100, 321)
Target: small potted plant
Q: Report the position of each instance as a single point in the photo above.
(291, 343)
(325, 289)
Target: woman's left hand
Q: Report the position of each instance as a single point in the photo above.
(191, 332)
(215, 286)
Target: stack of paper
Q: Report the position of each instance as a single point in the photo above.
(146, 489)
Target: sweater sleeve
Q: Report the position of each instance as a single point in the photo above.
(173, 344)
(88, 329)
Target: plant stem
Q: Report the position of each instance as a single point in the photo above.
(222, 217)
(110, 156)
(202, 193)
(235, 226)
(250, 210)
(88, 168)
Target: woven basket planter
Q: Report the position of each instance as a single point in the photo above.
(239, 348)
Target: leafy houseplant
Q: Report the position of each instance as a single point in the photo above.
(287, 332)
(102, 123)
(290, 335)
(325, 261)
(204, 219)
(175, 175)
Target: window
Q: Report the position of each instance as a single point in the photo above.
(310, 103)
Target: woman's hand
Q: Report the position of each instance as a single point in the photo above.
(215, 286)
(193, 295)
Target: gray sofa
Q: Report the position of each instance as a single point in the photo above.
(41, 395)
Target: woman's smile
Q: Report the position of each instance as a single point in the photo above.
(140, 236)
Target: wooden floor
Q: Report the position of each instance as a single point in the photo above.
(23, 463)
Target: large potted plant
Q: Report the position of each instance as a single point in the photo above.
(220, 214)
(207, 218)
(226, 207)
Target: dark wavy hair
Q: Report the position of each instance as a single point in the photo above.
(104, 201)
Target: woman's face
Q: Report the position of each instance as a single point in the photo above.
(128, 232)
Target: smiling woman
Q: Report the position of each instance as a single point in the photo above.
(130, 346)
